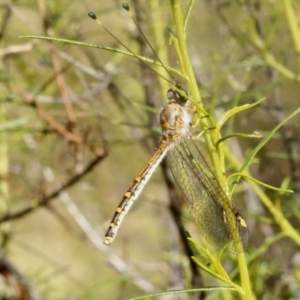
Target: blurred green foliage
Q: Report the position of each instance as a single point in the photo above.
(87, 119)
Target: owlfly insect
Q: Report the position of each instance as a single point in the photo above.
(210, 206)
(175, 122)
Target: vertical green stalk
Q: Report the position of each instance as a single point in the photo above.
(4, 162)
(186, 64)
(211, 138)
(293, 27)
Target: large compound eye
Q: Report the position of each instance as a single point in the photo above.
(172, 95)
(182, 99)
(175, 96)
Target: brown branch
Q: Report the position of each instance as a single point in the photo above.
(14, 278)
(62, 86)
(45, 200)
(57, 127)
(47, 21)
(5, 18)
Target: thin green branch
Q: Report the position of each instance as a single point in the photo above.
(250, 158)
(234, 111)
(293, 27)
(268, 56)
(254, 135)
(260, 183)
(146, 59)
(184, 291)
(211, 138)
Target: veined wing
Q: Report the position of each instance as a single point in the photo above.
(209, 205)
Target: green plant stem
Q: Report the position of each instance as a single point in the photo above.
(211, 138)
(187, 67)
(279, 217)
(4, 165)
(250, 158)
(293, 27)
(259, 182)
(4, 191)
(245, 279)
(115, 50)
(268, 56)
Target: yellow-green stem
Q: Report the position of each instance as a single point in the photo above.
(211, 137)
(293, 27)
(4, 163)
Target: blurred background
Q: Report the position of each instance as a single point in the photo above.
(77, 124)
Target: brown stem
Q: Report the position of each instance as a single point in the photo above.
(44, 200)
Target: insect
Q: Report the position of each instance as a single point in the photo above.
(208, 203)
(210, 206)
(175, 121)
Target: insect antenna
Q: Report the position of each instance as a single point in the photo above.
(93, 16)
(127, 8)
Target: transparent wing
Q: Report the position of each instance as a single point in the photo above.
(206, 199)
